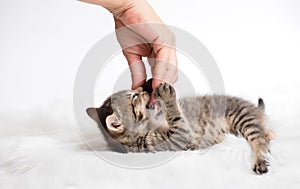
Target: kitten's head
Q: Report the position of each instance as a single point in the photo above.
(128, 113)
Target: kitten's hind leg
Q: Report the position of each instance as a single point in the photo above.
(244, 119)
(258, 138)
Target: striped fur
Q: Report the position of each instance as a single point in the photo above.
(186, 124)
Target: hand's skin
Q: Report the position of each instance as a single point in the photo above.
(142, 39)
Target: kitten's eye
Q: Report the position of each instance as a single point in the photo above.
(135, 96)
(133, 103)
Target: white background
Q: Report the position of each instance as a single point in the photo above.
(256, 45)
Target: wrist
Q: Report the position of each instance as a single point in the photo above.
(117, 7)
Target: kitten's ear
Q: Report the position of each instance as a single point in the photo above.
(92, 112)
(113, 124)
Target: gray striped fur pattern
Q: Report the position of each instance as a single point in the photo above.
(186, 124)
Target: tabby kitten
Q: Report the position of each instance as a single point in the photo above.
(186, 124)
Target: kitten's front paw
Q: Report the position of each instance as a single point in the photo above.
(166, 92)
(260, 167)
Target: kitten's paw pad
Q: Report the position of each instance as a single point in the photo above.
(165, 91)
(261, 167)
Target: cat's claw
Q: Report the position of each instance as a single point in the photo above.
(165, 91)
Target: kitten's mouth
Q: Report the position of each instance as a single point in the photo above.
(153, 105)
(150, 106)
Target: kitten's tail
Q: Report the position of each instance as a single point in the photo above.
(261, 104)
(269, 134)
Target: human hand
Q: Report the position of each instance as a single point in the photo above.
(141, 33)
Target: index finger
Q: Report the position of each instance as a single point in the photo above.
(165, 68)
